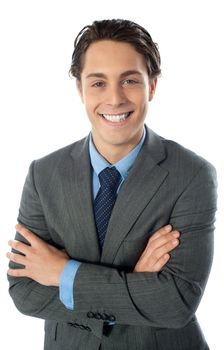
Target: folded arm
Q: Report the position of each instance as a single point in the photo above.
(168, 298)
(165, 299)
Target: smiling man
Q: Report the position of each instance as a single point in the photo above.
(115, 237)
(115, 88)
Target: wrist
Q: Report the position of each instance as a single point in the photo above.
(58, 272)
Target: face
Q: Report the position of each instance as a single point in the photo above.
(115, 89)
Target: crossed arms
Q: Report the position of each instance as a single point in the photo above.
(162, 291)
(44, 263)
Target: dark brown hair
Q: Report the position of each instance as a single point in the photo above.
(117, 30)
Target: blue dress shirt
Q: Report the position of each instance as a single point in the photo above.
(98, 164)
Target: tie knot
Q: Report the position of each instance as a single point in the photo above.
(110, 178)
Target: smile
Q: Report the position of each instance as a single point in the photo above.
(116, 118)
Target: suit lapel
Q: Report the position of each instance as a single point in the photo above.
(78, 194)
(142, 183)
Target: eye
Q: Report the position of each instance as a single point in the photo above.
(98, 84)
(129, 82)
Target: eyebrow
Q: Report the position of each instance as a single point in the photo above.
(102, 75)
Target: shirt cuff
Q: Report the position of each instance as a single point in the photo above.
(66, 283)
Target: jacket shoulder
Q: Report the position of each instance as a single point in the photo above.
(61, 154)
(55, 165)
(178, 152)
(172, 155)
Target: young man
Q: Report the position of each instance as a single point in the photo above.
(122, 220)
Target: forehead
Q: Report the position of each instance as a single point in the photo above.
(109, 55)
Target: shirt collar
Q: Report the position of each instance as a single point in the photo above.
(123, 166)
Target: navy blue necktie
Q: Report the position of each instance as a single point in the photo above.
(110, 179)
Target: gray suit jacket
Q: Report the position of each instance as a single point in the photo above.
(167, 184)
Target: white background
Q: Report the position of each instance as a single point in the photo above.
(40, 111)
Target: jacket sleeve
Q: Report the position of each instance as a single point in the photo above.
(165, 299)
(30, 297)
(168, 298)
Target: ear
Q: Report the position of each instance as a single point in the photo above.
(152, 88)
(79, 88)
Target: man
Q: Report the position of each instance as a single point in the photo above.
(122, 220)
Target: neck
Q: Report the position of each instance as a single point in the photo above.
(114, 153)
(113, 156)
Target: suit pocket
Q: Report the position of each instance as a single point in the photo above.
(189, 337)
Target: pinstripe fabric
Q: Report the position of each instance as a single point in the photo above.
(167, 183)
(110, 179)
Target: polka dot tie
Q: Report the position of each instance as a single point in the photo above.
(110, 180)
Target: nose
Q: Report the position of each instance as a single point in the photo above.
(116, 96)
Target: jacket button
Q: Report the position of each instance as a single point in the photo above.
(75, 325)
(90, 314)
(82, 327)
(98, 316)
(88, 329)
(105, 317)
(112, 318)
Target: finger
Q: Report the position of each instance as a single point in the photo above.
(162, 240)
(16, 258)
(162, 231)
(152, 246)
(19, 246)
(27, 234)
(17, 272)
(161, 263)
(166, 248)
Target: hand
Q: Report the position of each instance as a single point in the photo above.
(155, 255)
(43, 262)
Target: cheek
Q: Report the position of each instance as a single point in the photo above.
(91, 110)
(139, 95)
(91, 99)
(142, 106)
(141, 100)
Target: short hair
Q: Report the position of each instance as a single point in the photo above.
(117, 30)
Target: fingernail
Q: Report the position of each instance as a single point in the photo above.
(175, 241)
(168, 228)
(176, 234)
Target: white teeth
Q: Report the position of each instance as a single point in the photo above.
(116, 118)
